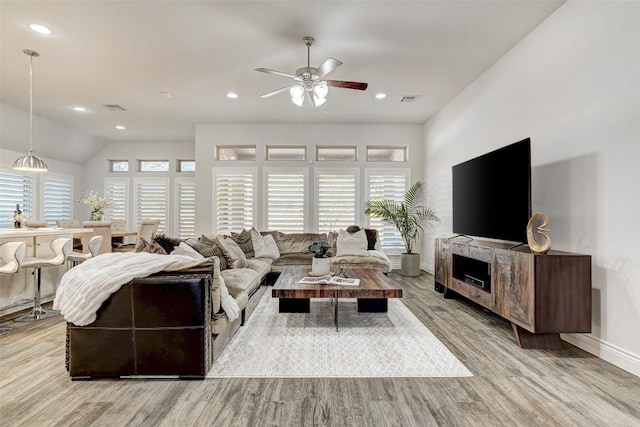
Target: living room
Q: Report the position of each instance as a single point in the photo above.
(570, 84)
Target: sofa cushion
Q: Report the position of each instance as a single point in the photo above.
(360, 262)
(241, 279)
(216, 249)
(297, 242)
(300, 259)
(260, 265)
(352, 244)
(332, 239)
(231, 251)
(243, 239)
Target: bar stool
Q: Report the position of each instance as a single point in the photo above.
(94, 249)
(11, 256)
(61, 248)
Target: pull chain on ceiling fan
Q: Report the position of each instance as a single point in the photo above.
(310, 80)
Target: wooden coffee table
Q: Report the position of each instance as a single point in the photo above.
(372, 293)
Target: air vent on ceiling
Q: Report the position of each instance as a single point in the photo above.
(410, 98)
(113, 107)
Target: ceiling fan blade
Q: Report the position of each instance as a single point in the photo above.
(277, 91)
(277, 73)
(347, 85)
(326, 67)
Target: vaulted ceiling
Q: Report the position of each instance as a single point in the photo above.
(170, 64)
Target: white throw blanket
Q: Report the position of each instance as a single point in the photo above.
(85, 287)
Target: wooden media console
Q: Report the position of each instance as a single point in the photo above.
(541, 295)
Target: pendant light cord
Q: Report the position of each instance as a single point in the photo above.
(30, 102)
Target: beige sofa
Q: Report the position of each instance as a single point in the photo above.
(247, 285)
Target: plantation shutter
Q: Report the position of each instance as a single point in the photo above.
(389, 185)
(152, 200)
(336, 200)
(286, 202)
(186, 207)
(57, 198)
(15, 189)
(117, 189)
(234, 192)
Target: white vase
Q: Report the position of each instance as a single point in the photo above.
(321, 266)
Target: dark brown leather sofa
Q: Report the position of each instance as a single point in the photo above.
(153, 326)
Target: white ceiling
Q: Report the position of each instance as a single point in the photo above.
(129, 52)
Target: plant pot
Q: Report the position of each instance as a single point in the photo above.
(321, 266)
(410, 265)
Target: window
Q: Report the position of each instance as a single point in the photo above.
(286, 152)
(336, 153)
(151, 200)
(186, 165)
(118, 166)
(56, 203)
(386, 154)
(185, 207)
(234, 191)
(154, 165)
(337, 202)
(285, 200)
(235, 152)
(117, 189)
(15, 189)
(388, 184)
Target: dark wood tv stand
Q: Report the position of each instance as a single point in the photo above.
(541, 295)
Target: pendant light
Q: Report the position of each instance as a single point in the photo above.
(30, 162)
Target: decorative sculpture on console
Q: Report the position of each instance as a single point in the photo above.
(536, 246)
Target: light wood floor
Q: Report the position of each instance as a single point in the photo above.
(510, 386)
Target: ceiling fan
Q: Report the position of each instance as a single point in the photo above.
(310, 81)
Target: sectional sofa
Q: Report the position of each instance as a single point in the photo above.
(172, 322)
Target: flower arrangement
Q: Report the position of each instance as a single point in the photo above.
(320, 249)
(96, 202)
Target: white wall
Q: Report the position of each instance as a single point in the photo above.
(572, 86)
(361, 135)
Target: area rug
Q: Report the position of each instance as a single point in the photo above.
(297, 345)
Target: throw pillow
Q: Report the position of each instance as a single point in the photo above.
(243, 239)
(216, 249)
(372, 238)
(151, 247)
(270, 248)
(186, 250)
(332, 239)
(232, 252)
(352, 244)
(167, 243)
(257, 240)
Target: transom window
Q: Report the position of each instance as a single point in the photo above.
(118, 166)
(386, 154)
(154, 165)
(275, 152)
(235, 152)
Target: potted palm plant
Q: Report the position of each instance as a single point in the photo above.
(410, 217)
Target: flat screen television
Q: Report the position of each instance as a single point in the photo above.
(492, 194)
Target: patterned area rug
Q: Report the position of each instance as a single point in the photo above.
(392, 344)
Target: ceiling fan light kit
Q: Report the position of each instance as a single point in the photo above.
(310, 81)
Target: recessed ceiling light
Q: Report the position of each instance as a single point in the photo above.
(232, 95)
(79, 109)
(120, 127)
(381, 95)
(40, 29)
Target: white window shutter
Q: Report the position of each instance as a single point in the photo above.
(152, 200)
(337, 205)
(185, 207)
(285, 201)
(388, 184)
(57, 191)
(15, 189)
(117, 189)
(234, 194)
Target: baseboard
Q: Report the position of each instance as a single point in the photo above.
(613, 354)
(426, 267)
